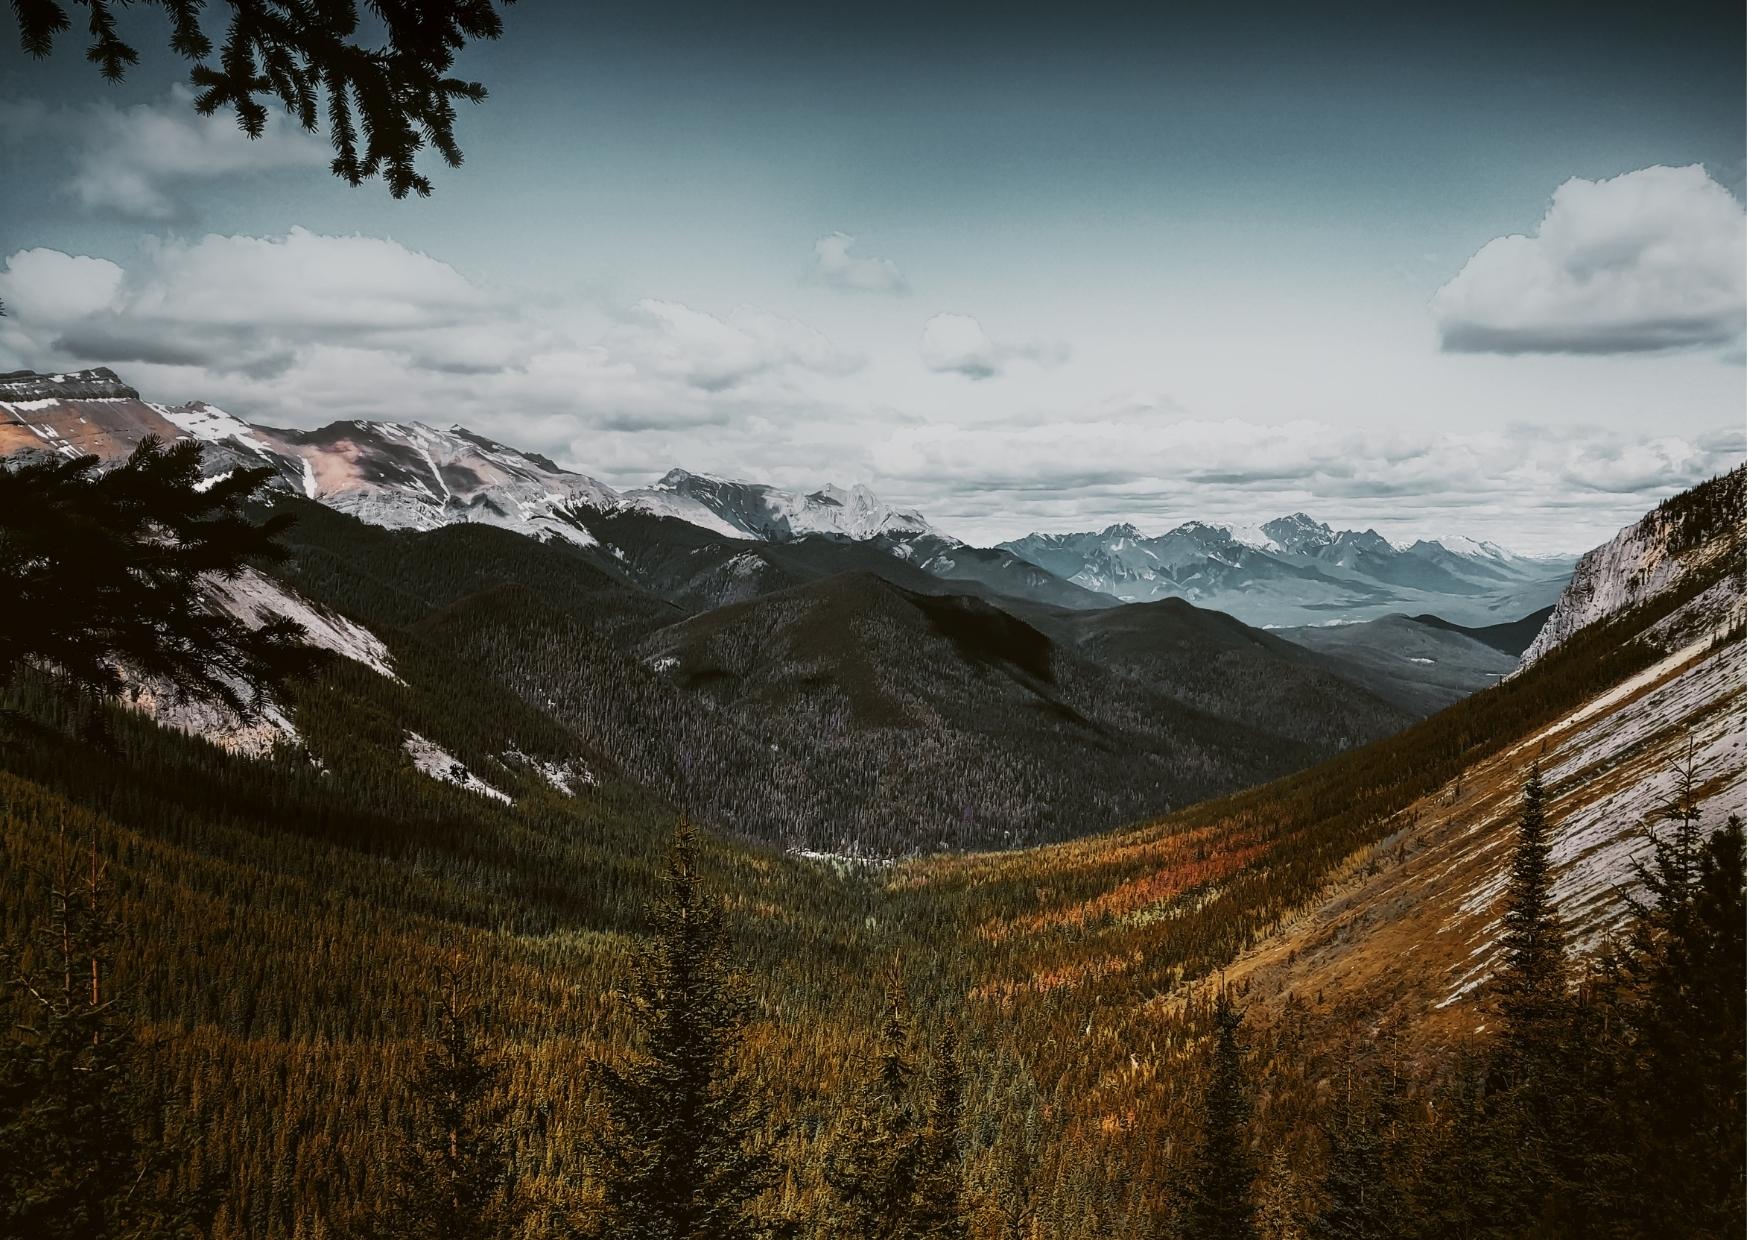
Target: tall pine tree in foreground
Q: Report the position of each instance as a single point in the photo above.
(681, 1156)
(1674, 989)
(941, 1175)
(453, 1177)
(104, 567)
(875, 1168)
(1532, 989)
(1216, 1201)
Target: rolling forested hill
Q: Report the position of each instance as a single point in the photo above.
(838, 699)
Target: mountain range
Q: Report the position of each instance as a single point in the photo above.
(409, 475)
(523, 698)
(1294, 570)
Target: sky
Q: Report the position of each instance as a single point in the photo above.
(1475, 270)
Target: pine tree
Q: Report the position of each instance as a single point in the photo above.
(875, 1168)
(454, 1177)
(941, 1171)
(1674, 1162)
(681, 1157)
(1216, 1200)
(1532, 980)
(383, 104)
(79, 1159)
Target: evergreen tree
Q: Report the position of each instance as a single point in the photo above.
(874, 1169)
(1676, 990)
(941, 1170)
(1216, 1201)
(1532, 979)
(79, 1159)
(681, 1156)
(383, 104)
(104, 570)
(454, 1178)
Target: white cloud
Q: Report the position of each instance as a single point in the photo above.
(957, 344)
(52, 288)
(834, 265)
(305, 328)
(1646, 261)
(716, 354)
(150, 161)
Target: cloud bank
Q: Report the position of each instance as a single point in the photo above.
(1647, 261)
(304, 329)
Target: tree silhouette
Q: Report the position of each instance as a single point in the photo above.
(454, 1178)
(682, 1156)
(104, 570)
(79, 1152)
(385, 99)
(1217, 1202)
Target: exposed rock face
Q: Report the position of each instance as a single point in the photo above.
(401, 475)
(1653, 554)
(755, 510)
(99, 383)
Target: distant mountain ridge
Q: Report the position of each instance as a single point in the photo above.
(1295, 570)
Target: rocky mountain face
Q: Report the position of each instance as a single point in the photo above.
(1294, 570)
(410, 475)
(400, 475)
(754, 510)
(1678, 538)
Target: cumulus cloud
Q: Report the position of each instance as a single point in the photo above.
(836, 267)
(1647, 261)
(150, 161)
(957, 344)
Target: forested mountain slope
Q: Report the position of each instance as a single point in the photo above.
(283, 920)
(1364, 892)
(1422, 664)
(847, 712)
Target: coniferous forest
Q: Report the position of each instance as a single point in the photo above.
(495, 745)
(319, 993)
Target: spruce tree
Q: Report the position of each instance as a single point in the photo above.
(1531, 987)
(1675, 1163)
(384, 99)
(941, 1172)
(453, 1176)
(875, 1167)
(1360, 1201)
(1216, 1201)
(682, 1156)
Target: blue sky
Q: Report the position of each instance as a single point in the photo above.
(1107, 264)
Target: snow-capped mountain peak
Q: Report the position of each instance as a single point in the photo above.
(758, 511)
